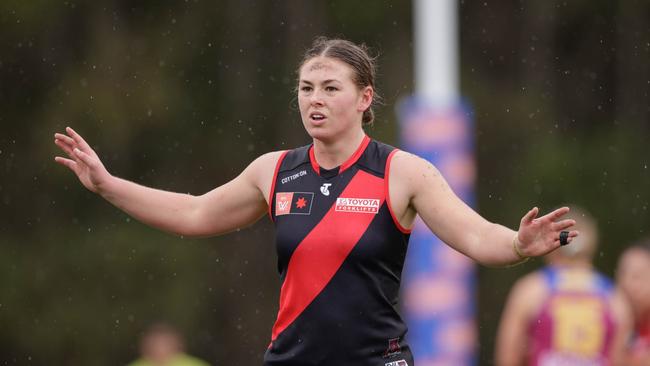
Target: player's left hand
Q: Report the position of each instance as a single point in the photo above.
(540, 235)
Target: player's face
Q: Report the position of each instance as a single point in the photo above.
(632, 274)
(331, 104)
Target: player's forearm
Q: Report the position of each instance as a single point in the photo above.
(494, 246)
(168, 211)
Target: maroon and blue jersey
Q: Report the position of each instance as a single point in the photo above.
(575, 325)
(340, 257)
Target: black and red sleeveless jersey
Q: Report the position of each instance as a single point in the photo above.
(340, 257)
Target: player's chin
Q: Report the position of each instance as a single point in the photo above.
(319, 133)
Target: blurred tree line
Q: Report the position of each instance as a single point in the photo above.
(182, 95)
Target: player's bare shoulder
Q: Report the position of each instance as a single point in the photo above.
(412, 171)
(261, 171)
(267, 161)
(532, 288)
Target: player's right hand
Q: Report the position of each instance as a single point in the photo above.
(83, 161)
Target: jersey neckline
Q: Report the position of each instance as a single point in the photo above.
(348, 163)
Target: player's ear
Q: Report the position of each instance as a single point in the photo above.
(365, 100)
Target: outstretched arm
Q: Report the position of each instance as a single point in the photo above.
(233, 205)
(419, 187)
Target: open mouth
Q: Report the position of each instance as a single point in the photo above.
(317, 116)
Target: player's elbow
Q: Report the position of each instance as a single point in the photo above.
(192, 222)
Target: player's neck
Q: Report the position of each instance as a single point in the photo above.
(332, 154)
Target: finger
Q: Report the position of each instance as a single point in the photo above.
(558, 244)
(562, 225)
(557, 214)
(65, 138)
(572, 234)
(530, 216)
(85, 158)
(83, 145)
(70, 164)
(65, 147)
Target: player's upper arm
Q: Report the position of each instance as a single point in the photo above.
(623, 320)
(238, 203)
(523, 303)
(417, 183)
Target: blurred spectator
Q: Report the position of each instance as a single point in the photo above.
(162, 345)
(565, 313)
(633, 276)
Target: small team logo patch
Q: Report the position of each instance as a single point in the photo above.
(293, 203)
(360, 205)
(393, 349)
(397, 363)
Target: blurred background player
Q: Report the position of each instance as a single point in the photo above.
(565, 313)
(162, 345)
(633, 277)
